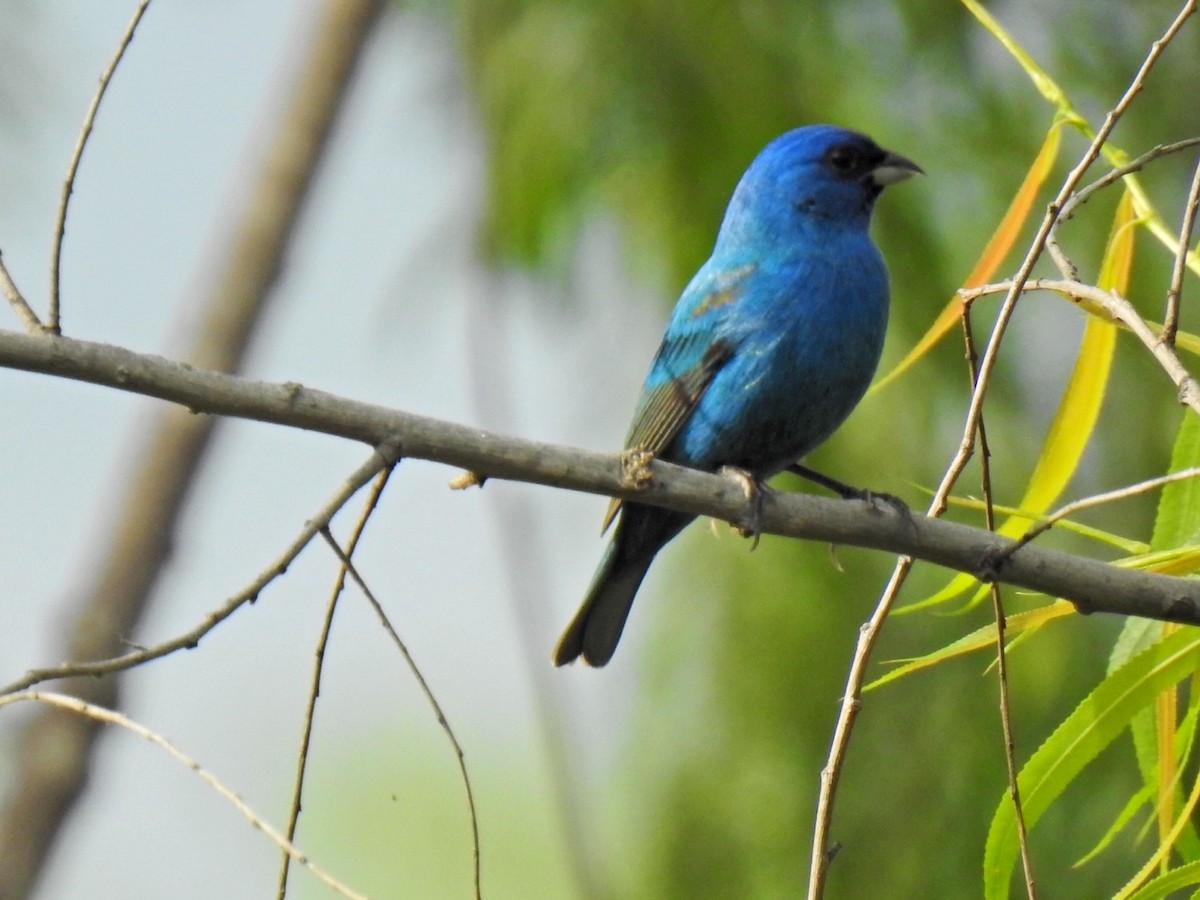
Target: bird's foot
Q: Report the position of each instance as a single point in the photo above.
(879, 499)
(635, 468)
(751, 527)
(849, 492)
(635, 475)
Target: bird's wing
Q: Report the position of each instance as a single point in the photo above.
(682, 372)
(691, 353)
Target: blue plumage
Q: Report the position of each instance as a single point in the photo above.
(769, 348)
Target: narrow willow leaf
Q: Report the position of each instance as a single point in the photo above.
(1178, 521)
(1092, 726)
(1166, 715)
(1124, 544)
(998, 247)
(1161, 855)
(1046, 85)
(1113, 155)
(1141, 798)
(980, 639)
(1176, 527)
(1165, 885)
(1078, 409)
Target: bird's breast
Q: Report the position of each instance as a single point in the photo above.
(805, 352)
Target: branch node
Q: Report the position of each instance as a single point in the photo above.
(1182, 609)
(987, 570)
(292, 391)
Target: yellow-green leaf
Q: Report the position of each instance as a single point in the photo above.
(1095, 722)
(980, 639)
(998, 247)
(1078, 408)
(1046, 85)
(1124, 544)
(1166, 885)
(1165, 843)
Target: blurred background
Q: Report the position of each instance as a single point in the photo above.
(515, 194)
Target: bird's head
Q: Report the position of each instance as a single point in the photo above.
(811, 177)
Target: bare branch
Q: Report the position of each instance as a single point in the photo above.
(1081, 196)
(1132, 490)
(850, 701)
(318, 670)
(1175, 291)
(382, 458)
(1094, 586)
(89, 122)
(111, 717)
(142, 530)
(429, 696)
(17, 300)
(1085, 193)
(1006, 727)
(1121, 311)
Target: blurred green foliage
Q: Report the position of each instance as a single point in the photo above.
(648, 110)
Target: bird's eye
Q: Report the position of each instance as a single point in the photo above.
(843, 159)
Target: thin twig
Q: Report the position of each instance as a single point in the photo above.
(1065, 265)
(318, 668)
(1175, 291)
(17, 300)
(1121, 311)
(1085, 193)
(1006, 727)
(89, 121)
(429, 696)
(1069, 509)
(525, 569)
(111, 717)
(1052, 215)
(823, 849)
(383, 457)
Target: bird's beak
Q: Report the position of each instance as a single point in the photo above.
(892, 168)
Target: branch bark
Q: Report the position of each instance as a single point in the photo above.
(1094, 586)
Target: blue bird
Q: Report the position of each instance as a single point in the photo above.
(772, 344)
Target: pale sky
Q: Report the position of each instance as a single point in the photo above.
(382, 303)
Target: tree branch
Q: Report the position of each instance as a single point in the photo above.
(1092, 585)
(142, 530)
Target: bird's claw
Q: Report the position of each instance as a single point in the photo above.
(879, 499)
(635, 468)
(751, 526)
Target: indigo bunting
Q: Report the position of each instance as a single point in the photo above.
(769, 348)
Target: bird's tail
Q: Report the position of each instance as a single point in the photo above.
(596, 628)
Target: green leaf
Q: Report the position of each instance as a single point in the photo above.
(1078, 408)
(1164, 885)
(1178, 520)
(998, 247)
(1136, 802)
(982, 638)
(1124, 544)
(1114, 155)
(1105, 713)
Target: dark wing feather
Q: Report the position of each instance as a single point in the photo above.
(666, 406)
